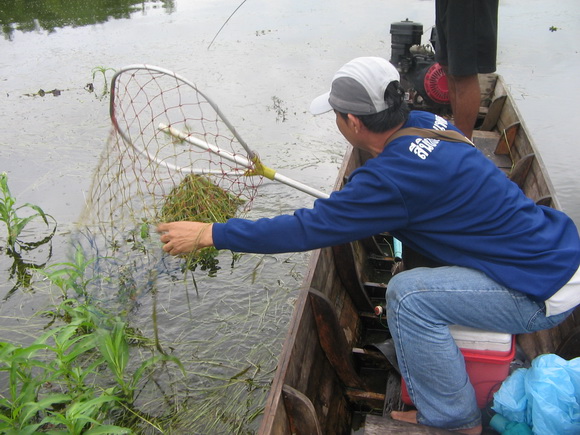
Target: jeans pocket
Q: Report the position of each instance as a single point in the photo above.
(539, 321)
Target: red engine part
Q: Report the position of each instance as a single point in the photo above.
(436, 86)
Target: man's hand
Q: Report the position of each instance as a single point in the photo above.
(185, 237)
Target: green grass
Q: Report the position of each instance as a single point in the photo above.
(196, 198)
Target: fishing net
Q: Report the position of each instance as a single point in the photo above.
(172, 155)
(144, 162)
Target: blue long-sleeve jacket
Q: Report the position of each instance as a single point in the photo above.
(445, 200)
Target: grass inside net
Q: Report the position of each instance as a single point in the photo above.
(198, 199)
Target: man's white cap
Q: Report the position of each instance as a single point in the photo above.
(358, 87)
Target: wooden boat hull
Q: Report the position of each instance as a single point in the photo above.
(327, 381)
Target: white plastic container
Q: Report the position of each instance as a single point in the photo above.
(476, 339)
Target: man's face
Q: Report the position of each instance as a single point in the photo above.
(355, 132)
(345, 128)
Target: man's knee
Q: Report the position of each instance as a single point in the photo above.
(411, 290)
(400, 286)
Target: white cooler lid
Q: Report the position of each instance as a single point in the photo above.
(477, 339)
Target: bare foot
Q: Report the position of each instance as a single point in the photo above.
(406, 416)
(411, 417)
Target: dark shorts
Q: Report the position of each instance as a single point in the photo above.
(466, 35)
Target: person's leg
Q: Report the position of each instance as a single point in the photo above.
(421, 303)
(466, 36)
(466, 45)
(465, 98)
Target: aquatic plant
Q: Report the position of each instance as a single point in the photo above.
(61, 381)
(16, 244)
(15, 224)
(196, 198)
(102, 72)
(49, 384)
(71, 275)
(277, 107)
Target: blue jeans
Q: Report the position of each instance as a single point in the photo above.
(421, 303)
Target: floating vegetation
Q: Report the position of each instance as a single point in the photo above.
(41, 93)
(14, 222)
(198, 199)
(277, 107)
(262, 32)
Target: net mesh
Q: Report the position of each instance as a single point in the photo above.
(145, 172)
(146, 175)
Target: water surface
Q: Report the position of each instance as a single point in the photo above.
(270, 58)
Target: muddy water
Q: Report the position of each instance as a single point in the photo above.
(263, 68)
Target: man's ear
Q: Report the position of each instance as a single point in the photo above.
(354, 122)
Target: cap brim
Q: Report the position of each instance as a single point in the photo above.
(320, 104)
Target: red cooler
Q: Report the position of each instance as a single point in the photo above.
(488, 356)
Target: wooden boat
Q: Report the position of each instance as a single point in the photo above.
(327, 380)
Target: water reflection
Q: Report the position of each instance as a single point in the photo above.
(25, 240)
(21, 269)
(46, 15)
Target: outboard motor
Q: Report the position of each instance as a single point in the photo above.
(421, 76)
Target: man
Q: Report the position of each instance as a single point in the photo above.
(507, 261)
(466, 45)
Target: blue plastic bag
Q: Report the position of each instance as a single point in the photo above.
(546, 396)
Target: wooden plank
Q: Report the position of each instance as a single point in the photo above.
(509, 115)
(301, 412)
(351, 278)
(366, 399)
(488, 86)
(493, 113)
(371, 358)
(376, 425)
(371, 245)
(545, 201)
(303, 365)
(570, 346)
(506, 139)
(486, 142)
(275, 419)
(333, 341)
(521, 169)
